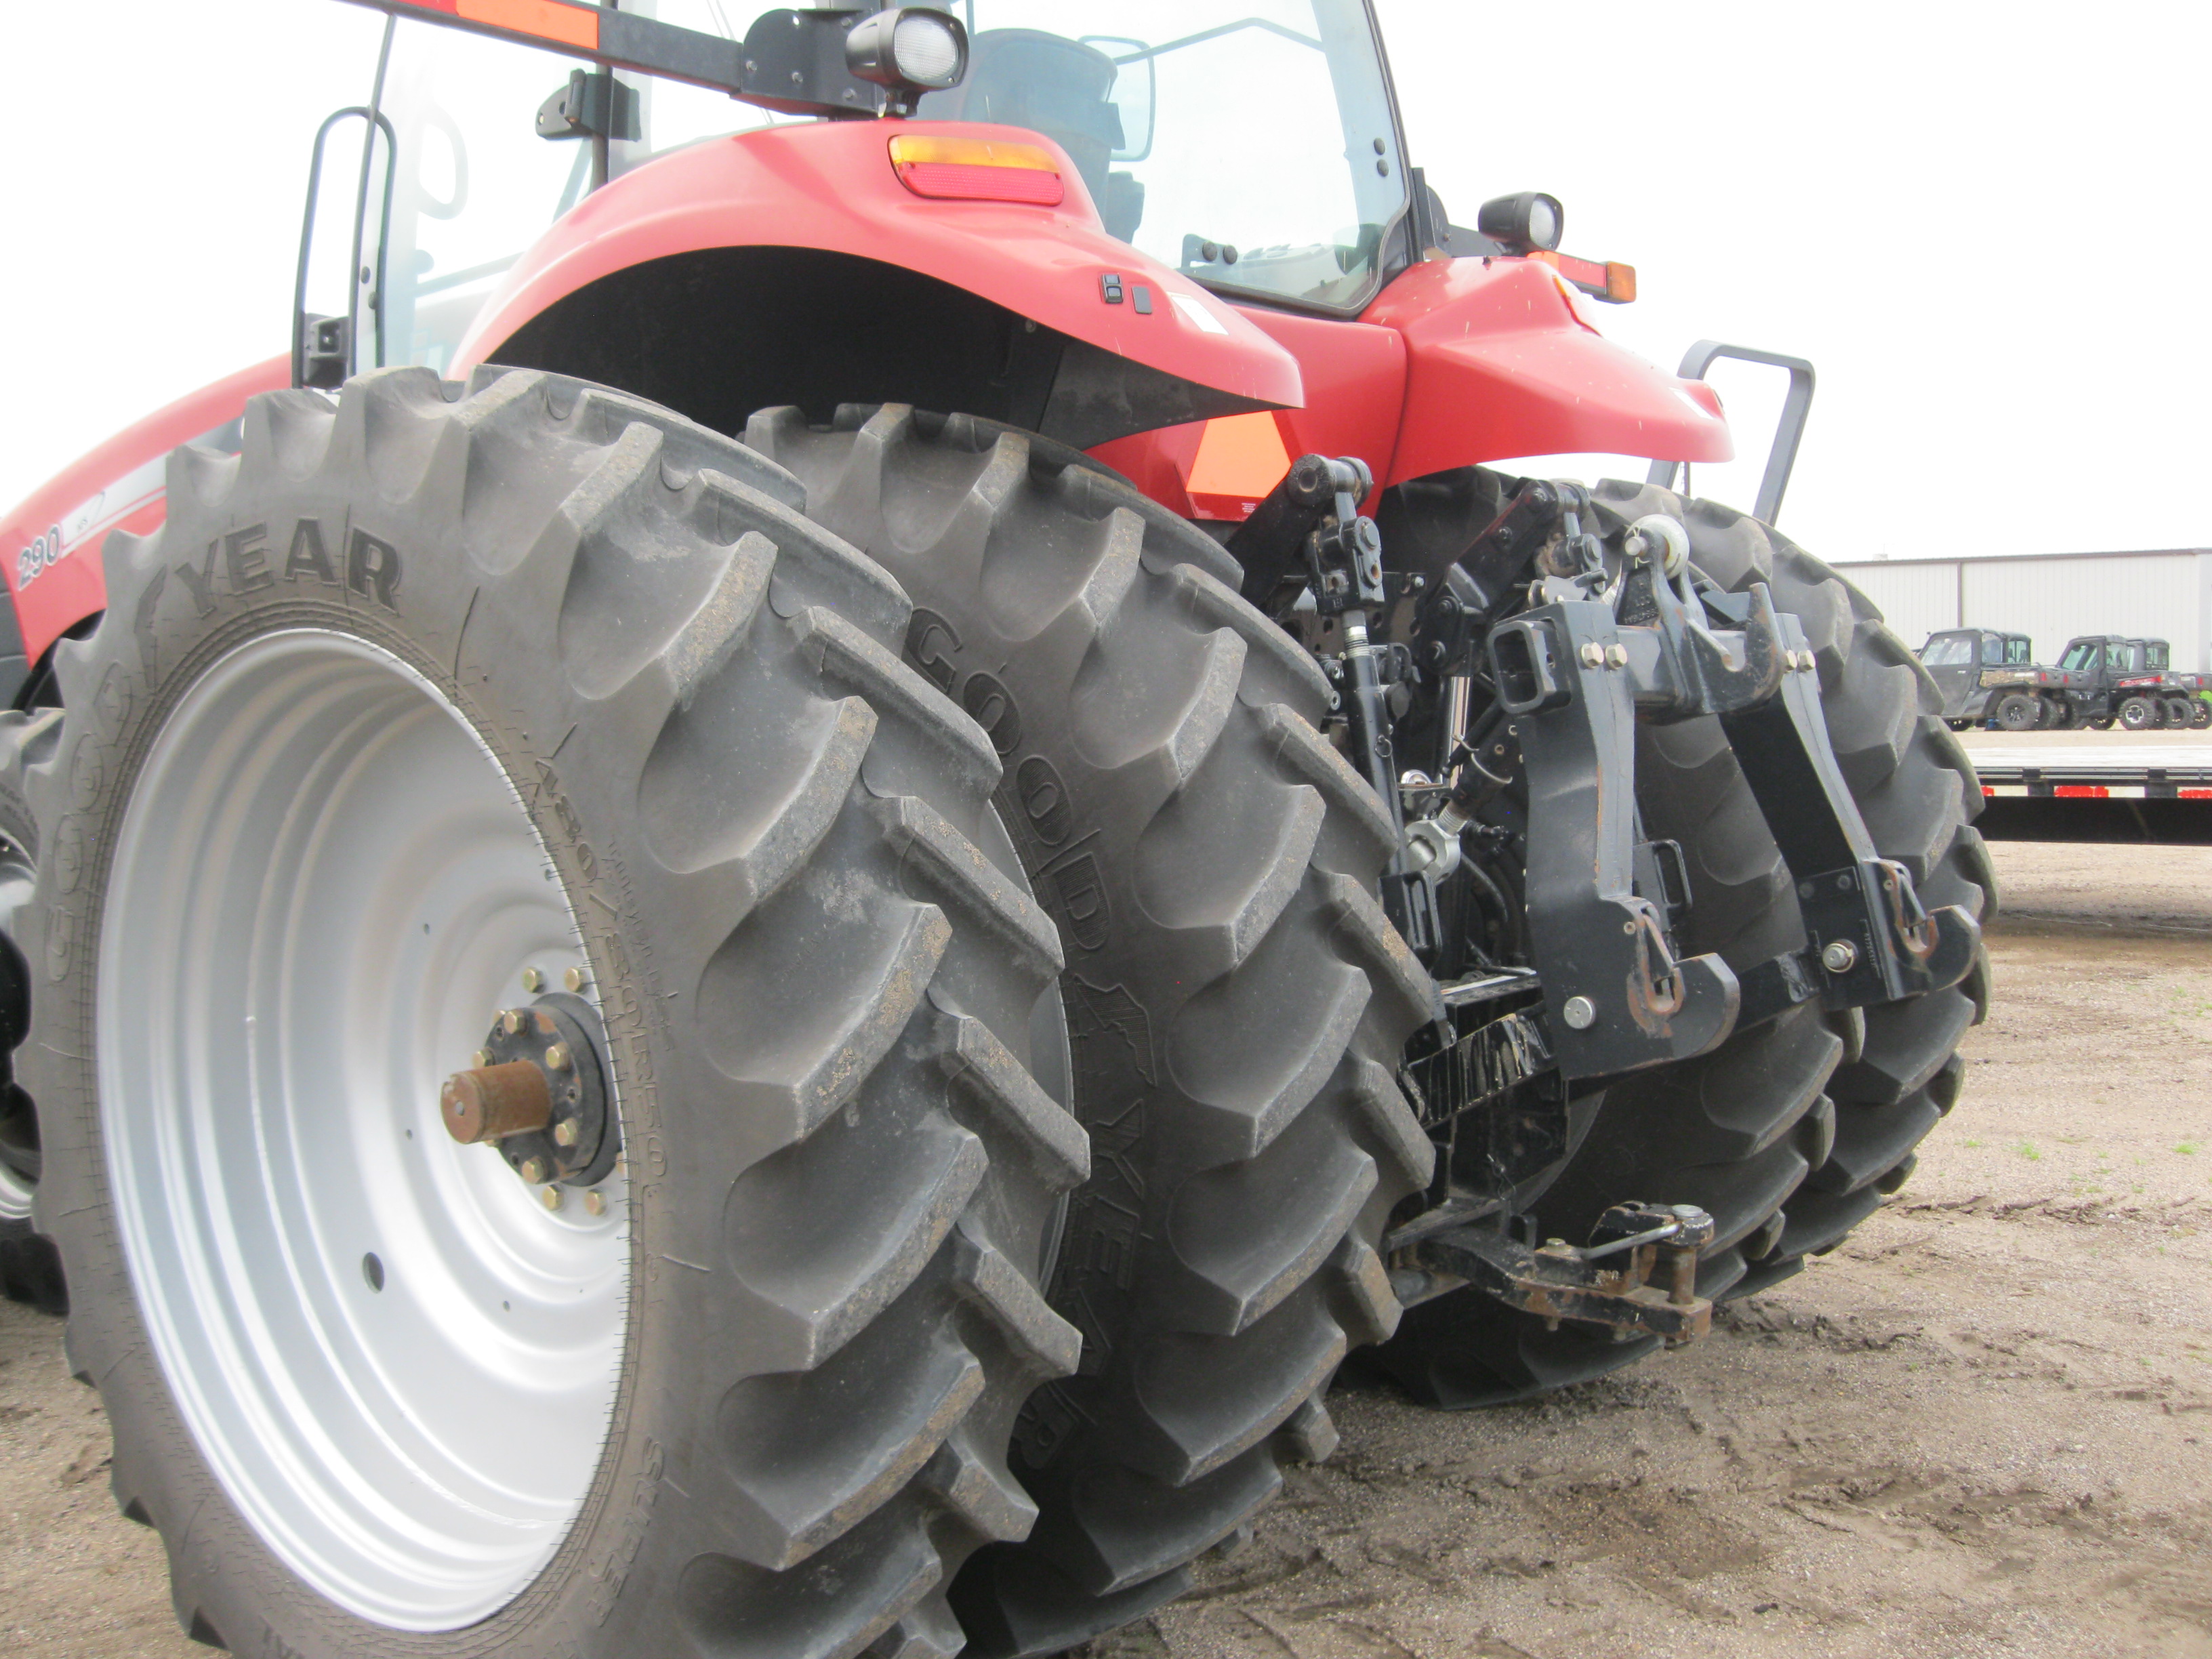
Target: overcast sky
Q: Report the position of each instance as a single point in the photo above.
(1985, 225)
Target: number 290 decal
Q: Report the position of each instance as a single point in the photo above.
(40, 555)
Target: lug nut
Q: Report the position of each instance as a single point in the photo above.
(1838, 955)
(482, 1057)
(551, 1198)
(556, 1057)
(532, 980)
(564, 1133)
(1580, 1013)
(511, 1022)
(533, 1169)
(490, 1102)
(595, 1201)
(575, 979)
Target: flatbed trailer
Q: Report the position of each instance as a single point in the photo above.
(2057, 789)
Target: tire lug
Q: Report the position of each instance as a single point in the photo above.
(564, 1133)
(511, 1022)
(575, 979)
(533, 1169)
(550, 1197)
(595, 1202)
(556, 1057)
(532, 980)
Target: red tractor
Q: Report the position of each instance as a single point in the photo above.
(757, 919)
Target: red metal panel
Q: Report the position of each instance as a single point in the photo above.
(1501, 363)
(50, 545)
(830, 185)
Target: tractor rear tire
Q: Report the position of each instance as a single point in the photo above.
(1791, 1131)
(1237, 1002)
(30, 1268)
(2017, 711)
(568, 682)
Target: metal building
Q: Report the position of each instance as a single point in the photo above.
(2165, 593)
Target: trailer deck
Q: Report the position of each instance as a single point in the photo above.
(2095, 786)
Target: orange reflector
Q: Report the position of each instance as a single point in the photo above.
(1240, 458)
(978, 170)
(1612, 281)
(548, 20)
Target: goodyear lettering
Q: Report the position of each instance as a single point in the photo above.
(200, 580)
(992, 707)
(246, 557)
(308, 557)
(1044, 799)
(372, 568)
(928, 637)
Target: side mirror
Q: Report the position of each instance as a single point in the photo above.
(1135, 87)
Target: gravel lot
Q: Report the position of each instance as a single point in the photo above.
(1983, 1427)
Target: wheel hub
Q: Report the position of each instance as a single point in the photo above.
(539, 1093)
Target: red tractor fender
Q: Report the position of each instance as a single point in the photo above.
(50, 545)
(1501, 362)
(1456, 362)
(830, 186)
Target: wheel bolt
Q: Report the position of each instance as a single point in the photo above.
(532, 980)
(564, 1133)
(533, 1169)
(575, 979)
(556, 1057)
(596, 1201)
(482, 1057)
(511, 1022)
(551, 1198)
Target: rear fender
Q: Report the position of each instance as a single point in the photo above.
(829, 189)
(50, 545)
(1500, 362)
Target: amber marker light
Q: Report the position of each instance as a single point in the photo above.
(1612, 281)
(978, 170)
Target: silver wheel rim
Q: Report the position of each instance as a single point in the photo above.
(323, 891)
(15, 877)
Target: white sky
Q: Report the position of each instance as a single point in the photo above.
(1984, 224)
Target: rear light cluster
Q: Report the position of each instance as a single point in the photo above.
(978, 170)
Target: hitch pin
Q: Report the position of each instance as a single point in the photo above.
(1668, 1231)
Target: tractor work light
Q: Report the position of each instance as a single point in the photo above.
(910, 50)
(978, 170)
(1524, 223)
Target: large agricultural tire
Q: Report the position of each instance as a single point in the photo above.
(1236, 1001)
(1792, 1131)
(30, 1268)
(567, 681)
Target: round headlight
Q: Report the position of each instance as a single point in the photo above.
(925, 49)
(1520, 224)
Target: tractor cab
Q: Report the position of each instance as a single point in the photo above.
(1189, 125)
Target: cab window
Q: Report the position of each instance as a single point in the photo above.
(2156, 653)
(2082, 653)
(1949, 651)
(2019, 648)
(1993, 650)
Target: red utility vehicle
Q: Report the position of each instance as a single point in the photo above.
(757, 919)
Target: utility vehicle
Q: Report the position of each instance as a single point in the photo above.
(756, 918)
(1993, 679)
(2133, 681)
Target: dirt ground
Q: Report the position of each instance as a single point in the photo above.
(1982, 1427)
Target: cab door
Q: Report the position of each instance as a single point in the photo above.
(1949, 660)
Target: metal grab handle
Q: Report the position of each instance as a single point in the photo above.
(1796, 405)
